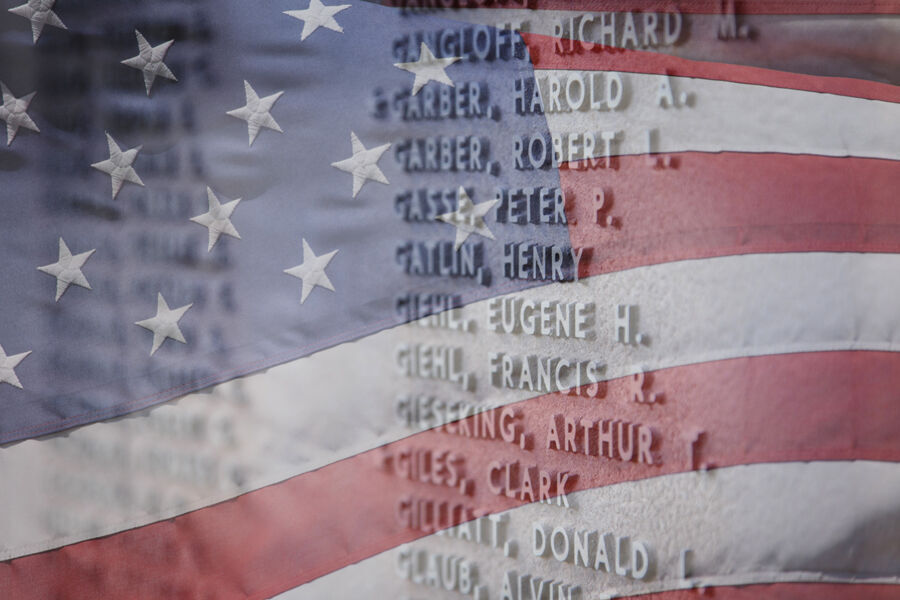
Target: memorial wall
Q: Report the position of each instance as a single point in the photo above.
(412, 300)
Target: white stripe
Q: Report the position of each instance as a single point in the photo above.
(251, 432)
(726, 117)
(766, 523)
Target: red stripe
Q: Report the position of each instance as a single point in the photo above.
(732, 203)
(543, 56)
(799, 407)
(742, 7)
(712, 7)
(785, 591)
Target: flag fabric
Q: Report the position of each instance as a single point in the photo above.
(543, 301)
(160, 243)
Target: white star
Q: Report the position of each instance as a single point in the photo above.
(256, 112)
(67, 269)
(217, 219)
(7, 364)
(312, 271)
(13, 112)
(118, 166)
(363, 164)
(150, 61)
(428, 68)
(318, 15)
(468, 218)
(165, 323)
(40, 13)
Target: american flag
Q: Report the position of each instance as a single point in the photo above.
(523, 301)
